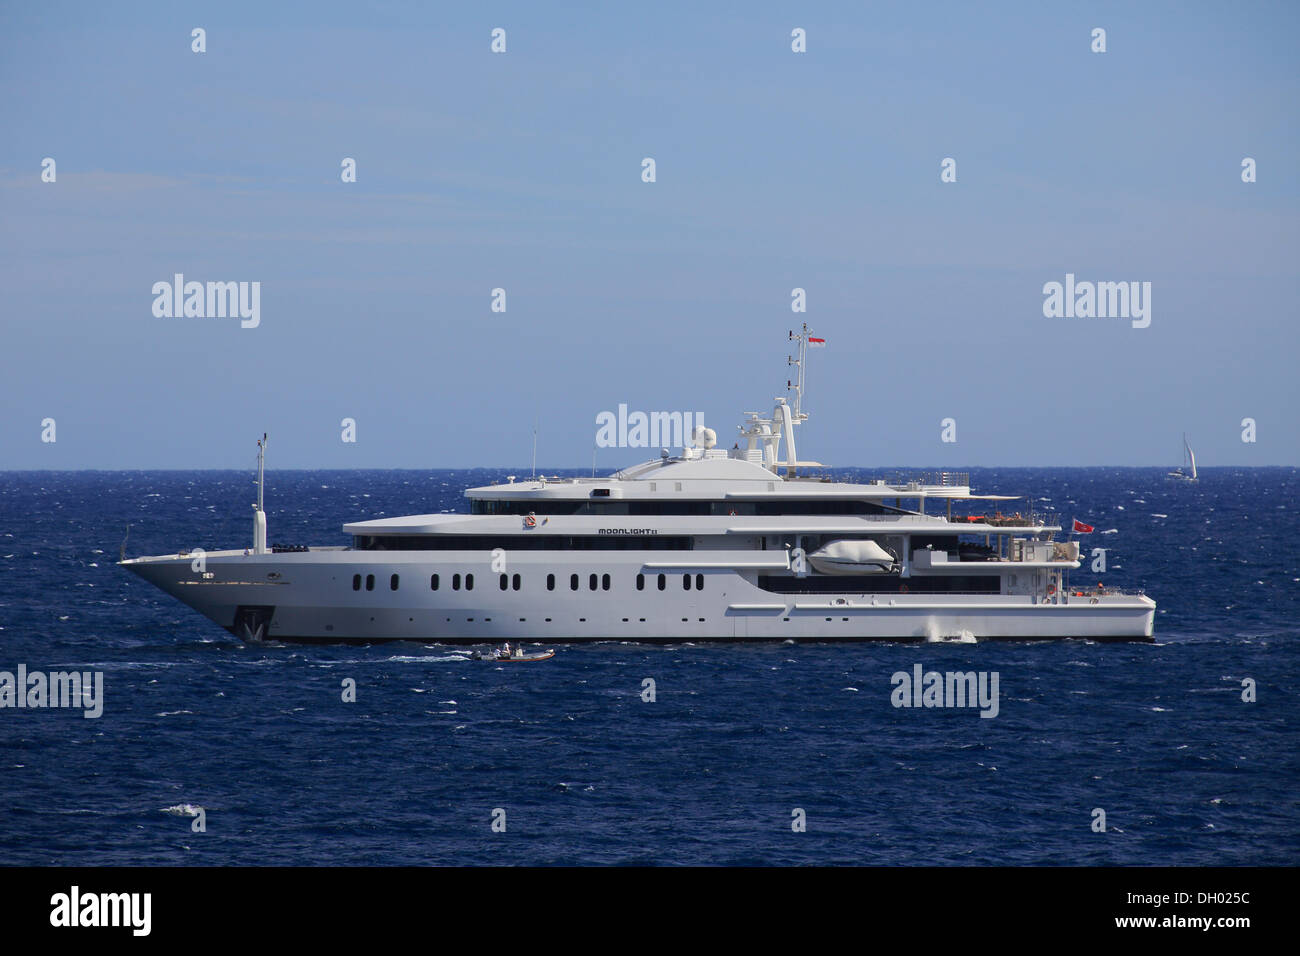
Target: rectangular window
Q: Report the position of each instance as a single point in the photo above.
(599, 504)
(537, 542)
(879, 584)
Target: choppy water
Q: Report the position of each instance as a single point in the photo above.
(284, 772)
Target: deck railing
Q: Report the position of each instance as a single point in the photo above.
(941, 479)
(1014, 520)
(1087, 592)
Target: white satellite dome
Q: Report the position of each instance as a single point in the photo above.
(705, 437)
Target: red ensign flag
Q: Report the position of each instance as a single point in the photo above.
(1082, 528)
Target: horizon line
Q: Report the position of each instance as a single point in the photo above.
(606, 474)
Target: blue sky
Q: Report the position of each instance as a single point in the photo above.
(522, 170)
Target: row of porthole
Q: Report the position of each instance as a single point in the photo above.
(395, 580)
(663, 582)
(594, 582)
(581, 620)
(514, 582)
(370, 582)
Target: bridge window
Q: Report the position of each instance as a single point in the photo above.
(525, 542)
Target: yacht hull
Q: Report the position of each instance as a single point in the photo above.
(310, 597)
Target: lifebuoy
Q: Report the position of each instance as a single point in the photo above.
(530, 521)
(1051, 589)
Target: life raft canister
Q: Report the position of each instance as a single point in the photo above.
(530, 521)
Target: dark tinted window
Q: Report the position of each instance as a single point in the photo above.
(608, 506)
(880, 584)
(533, 542)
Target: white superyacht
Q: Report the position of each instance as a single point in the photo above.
(743, 544)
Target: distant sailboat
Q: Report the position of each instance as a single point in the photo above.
(1188, 470)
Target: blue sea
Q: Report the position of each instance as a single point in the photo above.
(582, 770)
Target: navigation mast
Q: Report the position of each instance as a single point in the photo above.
(768, 433)
(801, 362)
(259, 515)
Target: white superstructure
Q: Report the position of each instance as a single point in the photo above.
(708, 544)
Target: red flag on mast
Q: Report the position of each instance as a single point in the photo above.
(1081, 528)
